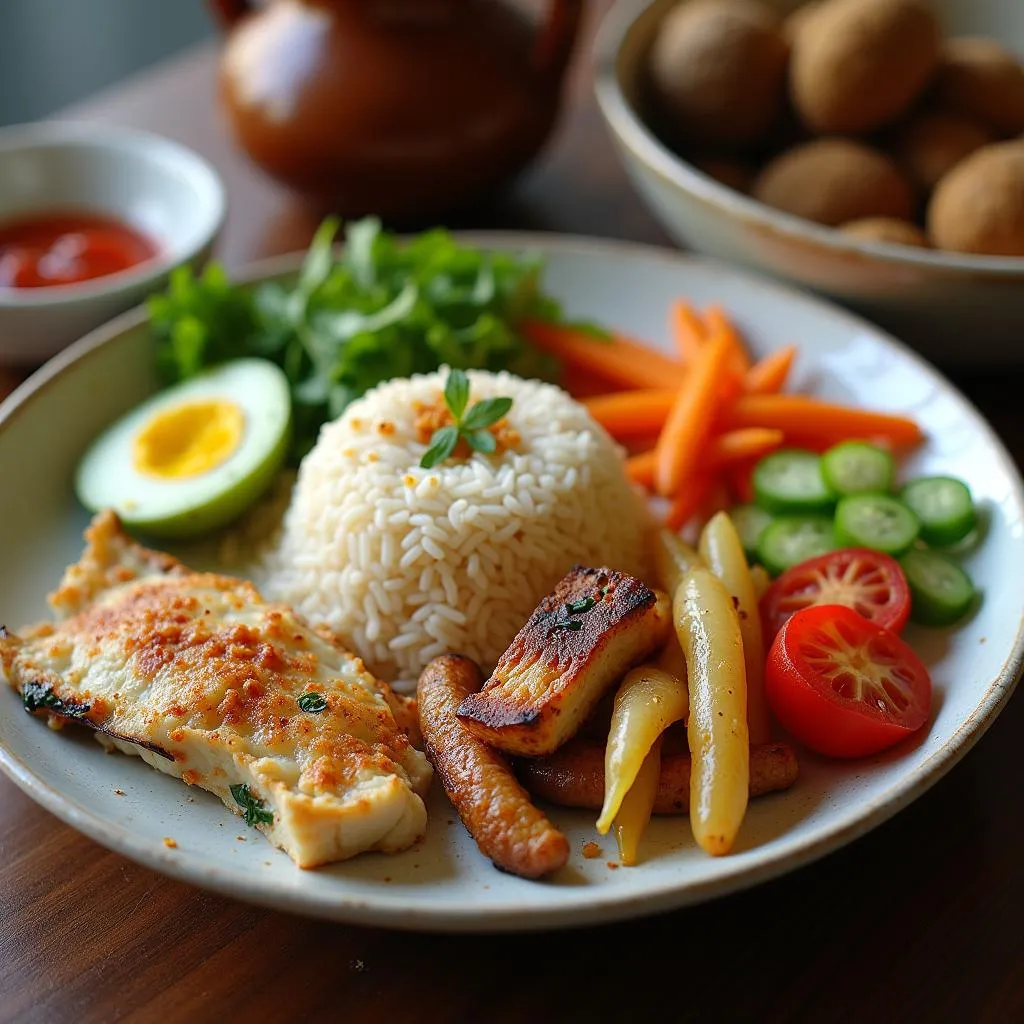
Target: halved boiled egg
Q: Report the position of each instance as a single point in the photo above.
(195, 456)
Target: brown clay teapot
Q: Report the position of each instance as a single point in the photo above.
(403, 108)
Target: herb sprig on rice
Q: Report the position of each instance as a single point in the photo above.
(469, 424)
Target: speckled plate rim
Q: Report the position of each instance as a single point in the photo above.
(392, 911)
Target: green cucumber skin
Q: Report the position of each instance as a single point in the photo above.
(927, 608)
(819, 499)
(850, 534)
(768, 548)
(837, 475)
(946, 530)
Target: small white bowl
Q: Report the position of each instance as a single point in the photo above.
(162, 189)
(953, 307)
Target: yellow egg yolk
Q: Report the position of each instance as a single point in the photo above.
(189, 440)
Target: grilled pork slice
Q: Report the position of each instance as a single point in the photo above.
(200, 677)
(583, 637)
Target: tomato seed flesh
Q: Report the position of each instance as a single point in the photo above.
(867, 673)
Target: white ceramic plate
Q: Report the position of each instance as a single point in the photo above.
(444, 883)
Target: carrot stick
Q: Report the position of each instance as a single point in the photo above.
(723, 451)
(717, 499)
(585, 383)
(627, 414)
(741, 482)
(621, 360)
(640, 468)
(688, 331)
(681, 441)
(689, 499)
(745, 443)
(718, 322)
(768, 376)
(811, 417)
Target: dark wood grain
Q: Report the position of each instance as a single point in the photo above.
(922, 920)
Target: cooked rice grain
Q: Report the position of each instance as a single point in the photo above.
(405, 563)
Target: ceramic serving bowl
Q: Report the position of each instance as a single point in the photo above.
(953, 307)
(162, 189)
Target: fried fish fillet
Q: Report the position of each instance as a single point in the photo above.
(583, 637)
(200, 677)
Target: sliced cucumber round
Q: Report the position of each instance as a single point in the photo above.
(790, 540)
(875, 521)
(750, 522)
(944, 507)
(789, 482)
(941, 593)
(855, 467)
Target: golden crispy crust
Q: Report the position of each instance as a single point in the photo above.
(110, 557)
(495, 809)
(199, 670)
(226, 674)
(574, 775)
(584, 636)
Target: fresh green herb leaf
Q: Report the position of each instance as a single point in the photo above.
(253, 810)
(442, 444)
(573, 626)
(486, 413)
(471, 427)
(386, 308)
(481, 441)
(40, 697)
(319, 259)
(456, 394)
(360, 240)
(313, 703)
(581, 607)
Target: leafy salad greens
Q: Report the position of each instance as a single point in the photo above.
(383, 308)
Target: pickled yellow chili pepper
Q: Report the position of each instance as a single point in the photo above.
(648, 701)
(709, 633)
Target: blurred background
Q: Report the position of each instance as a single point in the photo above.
(53, 52)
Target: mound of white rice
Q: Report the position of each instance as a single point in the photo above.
(405, 563)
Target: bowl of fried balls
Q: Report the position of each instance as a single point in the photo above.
(871, 150)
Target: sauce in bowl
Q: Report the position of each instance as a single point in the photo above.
(64, 248)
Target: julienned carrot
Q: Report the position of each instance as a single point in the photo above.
(640, 468)
(718, 322)
(691, 418)
(768, 376)
(741, 482)
(688, 331)
(797, 415)
(746, 443)
(586, 384)
(723, 451)
(686, 503)
(626, 414)
(619, 359)
(717, 499)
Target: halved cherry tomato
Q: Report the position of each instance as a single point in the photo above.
(869, 582)
(843, 685)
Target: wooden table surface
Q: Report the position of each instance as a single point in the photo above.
(922, 920)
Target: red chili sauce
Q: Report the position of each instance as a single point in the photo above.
(66, 248)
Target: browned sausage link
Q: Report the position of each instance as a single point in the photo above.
(495, 809)
(574, 775)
